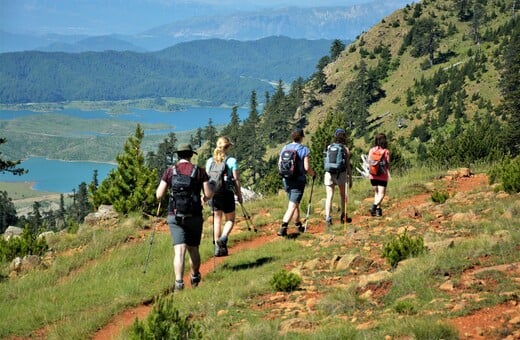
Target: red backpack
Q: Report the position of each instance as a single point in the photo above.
(377, 162)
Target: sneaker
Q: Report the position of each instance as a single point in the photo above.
(282, 231)
(300, 227)
(217, 250)
(379, 212)
(222, 244)
(373, 210)
(195, 279)
(179, 285)
(328, 220)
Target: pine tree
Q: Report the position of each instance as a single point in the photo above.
(232, 130)
(510, 84)
(10, 166)
(336, 48)
(131, 186)
(8, 215)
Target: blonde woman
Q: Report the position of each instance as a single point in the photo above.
(225, 168)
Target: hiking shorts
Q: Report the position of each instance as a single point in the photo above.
(294, 189)
(224, 201)
(335, 179)
(189, 231)
(378, 183)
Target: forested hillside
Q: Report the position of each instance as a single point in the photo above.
(207, 71)
(440, 78)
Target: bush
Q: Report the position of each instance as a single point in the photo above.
(164, 322)
(283, 281)
(27, 244)
(403, 247)
(440, 196)
(507, 173)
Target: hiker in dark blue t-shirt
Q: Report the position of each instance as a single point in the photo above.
(295, 185)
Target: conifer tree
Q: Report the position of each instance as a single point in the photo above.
(10, 166)
(131, 186)
(8, 215)
(510, 84)
(232, 130)
(277, 114)
(336, 48)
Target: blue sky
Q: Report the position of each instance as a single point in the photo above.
(99, 17)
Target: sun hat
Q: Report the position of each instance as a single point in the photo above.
(184, 148)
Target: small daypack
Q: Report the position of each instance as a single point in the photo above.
(185, 199)
(289, 166)
(377, 162)
(218, 176)
(335, 160)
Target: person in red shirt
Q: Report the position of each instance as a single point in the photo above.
(186, 228)
(380, 181)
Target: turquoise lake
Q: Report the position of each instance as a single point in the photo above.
(64, 176)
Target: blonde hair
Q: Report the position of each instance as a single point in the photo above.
(220, 152)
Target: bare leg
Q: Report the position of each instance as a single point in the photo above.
(230, 223)
(380, 192)
(329, 189)
(194, 259)
(292, 211)
(217, 223)
(178, 260)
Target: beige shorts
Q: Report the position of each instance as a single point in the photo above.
(335, 179)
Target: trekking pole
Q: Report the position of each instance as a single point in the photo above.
(151, 238)
(247, 217)
(309, 206)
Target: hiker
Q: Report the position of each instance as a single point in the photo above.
(223, 202)
(185, 211)
(294, 184)
(337, 174)
(379, 163)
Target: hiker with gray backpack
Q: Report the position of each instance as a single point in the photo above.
(293, 166)
(225, 182)
(338, 171)
(186, 181)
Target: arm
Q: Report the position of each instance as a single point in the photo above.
(238, 189)
(161, 189)
(207, 192)
(307, 166)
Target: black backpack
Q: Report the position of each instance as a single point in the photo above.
(289, 165)
(335, 160)
(185, 198)
(219, 180)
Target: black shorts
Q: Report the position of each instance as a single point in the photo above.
(224, 201)
(378, 183)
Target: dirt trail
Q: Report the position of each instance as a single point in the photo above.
(469, 326)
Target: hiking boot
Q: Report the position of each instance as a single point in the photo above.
(300, 227)
(222, 244)
(373, 210)
(379, 212)
(343, 220)
(282, 231)
(195, 279)
(328, 220)
(179, 285)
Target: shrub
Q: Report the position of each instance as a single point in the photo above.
(403, 247)
(27, 244)
(507, 173)
(164, 322)
(283, 281)
(440, 196)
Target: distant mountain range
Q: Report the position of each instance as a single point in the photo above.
(344, 23)
(213, 71)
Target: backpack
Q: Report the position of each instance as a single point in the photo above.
(218, 176)
(376, 163)
(289, 166)
(335, 159)
(185, 199)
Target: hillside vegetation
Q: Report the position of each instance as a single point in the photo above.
(214, 72)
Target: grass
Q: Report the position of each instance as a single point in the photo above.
(97, 273)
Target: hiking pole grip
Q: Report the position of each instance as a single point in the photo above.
(151, 238)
